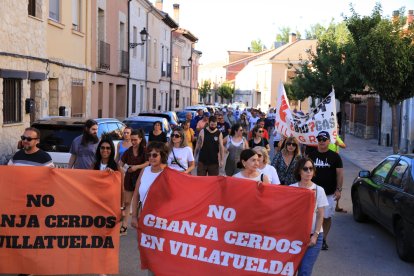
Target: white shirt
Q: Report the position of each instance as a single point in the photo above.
(321, 201)
(147, 179)
(253, 122)
(271, 173)
(183, 156)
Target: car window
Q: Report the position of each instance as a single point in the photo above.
(380, 173)
(397, 174)
(102, 128)
(113, 131)
(57, 138)
(145, 125)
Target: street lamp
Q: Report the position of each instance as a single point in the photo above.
(144, 35)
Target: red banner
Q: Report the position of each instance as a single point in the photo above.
(222, 226)
(59, 221)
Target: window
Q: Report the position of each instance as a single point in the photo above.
(12, 101)
(381, 172)
(54, 10)
(154, 98)
(76, 15)
(182, 72)
(134, 40)
(31, 9)
(134, 98)
(398, 173)
(176, 65)
(177, 98)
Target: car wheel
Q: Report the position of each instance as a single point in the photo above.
(404, 249)
(357, 212)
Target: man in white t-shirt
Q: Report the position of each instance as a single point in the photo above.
(253, 119)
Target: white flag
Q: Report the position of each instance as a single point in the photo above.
(306, 127)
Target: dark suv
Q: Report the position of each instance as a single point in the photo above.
(57, 134)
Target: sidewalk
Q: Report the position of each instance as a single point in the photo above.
(365, 154)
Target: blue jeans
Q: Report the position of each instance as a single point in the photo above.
(311, 254)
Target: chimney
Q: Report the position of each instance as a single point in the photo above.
(410, 16)
(176, 8)
(292, 37)
(158, 4)
(395, 16)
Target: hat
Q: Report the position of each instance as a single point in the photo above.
(206, 114)
(324, 134)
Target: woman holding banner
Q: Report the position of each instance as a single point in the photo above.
(133, 160)
(285, 160)
(249, 165)
(264, 166)
(304, 171)
(157, 153)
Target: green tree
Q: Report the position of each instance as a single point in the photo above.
(225, 91)
(385, 54)
(332, 65)
(257, 46)
(283, 35)
(204, 89)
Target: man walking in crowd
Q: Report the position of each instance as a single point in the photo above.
(196, 118)
(84, 147)
(253, 119)
(209, 149)
(30, 154)
(223, 126)
(329, 175)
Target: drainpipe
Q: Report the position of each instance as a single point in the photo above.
(171, 71)
(146, 55)
(129, 60)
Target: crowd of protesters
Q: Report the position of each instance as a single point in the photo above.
(233, 143)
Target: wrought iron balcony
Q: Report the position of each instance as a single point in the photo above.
(104, 55)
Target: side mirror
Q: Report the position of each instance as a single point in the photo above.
(364, 174)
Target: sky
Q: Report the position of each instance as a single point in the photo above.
(231, 25)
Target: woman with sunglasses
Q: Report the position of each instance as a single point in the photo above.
(235, 144)
(257, 138)
(124, 144)
(181, 156)
(285, 160)
(105, 161)
(304, 171)
(249, 165)
(264, 166)
(157, 153)
(157, 134)
(244, 123)
(134, 160)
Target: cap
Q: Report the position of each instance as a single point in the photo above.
(324, 134)
(206, 114)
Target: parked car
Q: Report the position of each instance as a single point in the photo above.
(171, 117)
(386, 195)
(146, 123)
(181, 115)
(197, 107)
(57, 134)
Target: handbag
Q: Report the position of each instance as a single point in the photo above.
(176, 161)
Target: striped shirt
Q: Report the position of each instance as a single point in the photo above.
(39, 158)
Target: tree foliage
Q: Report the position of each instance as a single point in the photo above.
(204, 88)
(385, 56)
(225, 91)
(257, 46)
(283, 35)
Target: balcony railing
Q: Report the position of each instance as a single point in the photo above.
(104, 55)
(124, 59)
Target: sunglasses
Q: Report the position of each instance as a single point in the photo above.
(291, 144)
(307, 169)
(240, 129)
(322, 139)
(28, 139)
(152, 155)
(260, 131)
(105, 148)
(127, 132)
(259, 155)
(176, 135)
